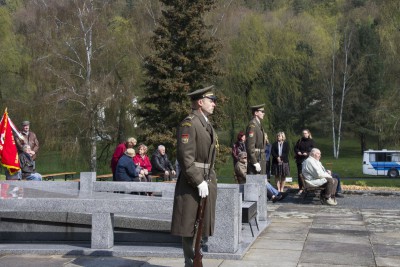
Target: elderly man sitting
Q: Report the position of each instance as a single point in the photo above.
(161, 164)
(316, 175)
(28, 165)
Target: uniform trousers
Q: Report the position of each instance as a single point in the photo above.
(188, 252)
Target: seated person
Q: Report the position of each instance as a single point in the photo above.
(126, 169)
(316, 175)
(241, 168)
(119, 151)
(28, 165)
(142, 161)
(241, 172)
(161, 164)
(238, 147)
(273, 194)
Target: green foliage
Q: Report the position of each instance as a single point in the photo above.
(249, 50)
(12, 60)
(183, 60)
(273, 52)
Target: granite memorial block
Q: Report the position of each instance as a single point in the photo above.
(262, 199)
(228, 212)
(102, 230)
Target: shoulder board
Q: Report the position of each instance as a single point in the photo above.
(187, 121)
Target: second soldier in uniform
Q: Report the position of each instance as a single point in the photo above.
(255, 142)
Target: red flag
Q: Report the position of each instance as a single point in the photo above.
(8, 149)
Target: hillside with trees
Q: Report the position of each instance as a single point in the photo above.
(90, 73)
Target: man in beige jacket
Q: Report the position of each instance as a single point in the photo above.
(316, 175)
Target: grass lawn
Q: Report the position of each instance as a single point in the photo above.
(349, 164)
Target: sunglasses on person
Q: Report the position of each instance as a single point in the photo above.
(213, 98)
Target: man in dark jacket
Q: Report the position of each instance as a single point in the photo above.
(27, 165)
(196, 146)
(302, 150)
(161, 164)
(255, 142)
(126, 169)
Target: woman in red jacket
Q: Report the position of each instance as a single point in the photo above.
(142, 160)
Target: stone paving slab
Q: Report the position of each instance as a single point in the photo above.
(388, 261)
(344, 219)
(347, 232)
(390, 238)
(263, 243)
(272, 255)
(385, 250)
(285, 236)
(326, 265)
(295, 221)
(331, 258)
(33, 261)
(288, 230)
(179, 262)
(333, 226)
(264, 263)
(338, 223)
(362, 240)
(333, 247)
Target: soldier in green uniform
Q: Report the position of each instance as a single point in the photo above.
(255, 142)
(196, 145)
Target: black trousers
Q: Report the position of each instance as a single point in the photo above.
(299, 169)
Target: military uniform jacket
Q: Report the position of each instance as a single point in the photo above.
(196, 141)
(255, 145)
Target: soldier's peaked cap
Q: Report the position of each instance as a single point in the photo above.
(202, 93)
(257, 107)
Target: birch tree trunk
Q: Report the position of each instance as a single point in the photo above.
(332, 94)
(86, 28)
(345, 88)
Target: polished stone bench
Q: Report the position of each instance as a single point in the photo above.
(102, 207)
(91, 198)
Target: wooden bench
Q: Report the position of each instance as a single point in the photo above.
(156, 178)
(309, 189)
(67, 175)
(159, 178)
(104, 177)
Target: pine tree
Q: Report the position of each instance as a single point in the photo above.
(184, 60)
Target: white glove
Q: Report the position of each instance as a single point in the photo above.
(257, 166)
(203, 189)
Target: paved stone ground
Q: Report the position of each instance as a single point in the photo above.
(363, 230)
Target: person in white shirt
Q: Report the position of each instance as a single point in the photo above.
(316, 175)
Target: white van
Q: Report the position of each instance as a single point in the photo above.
(381, 162)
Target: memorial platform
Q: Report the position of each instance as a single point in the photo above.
(88, 218)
